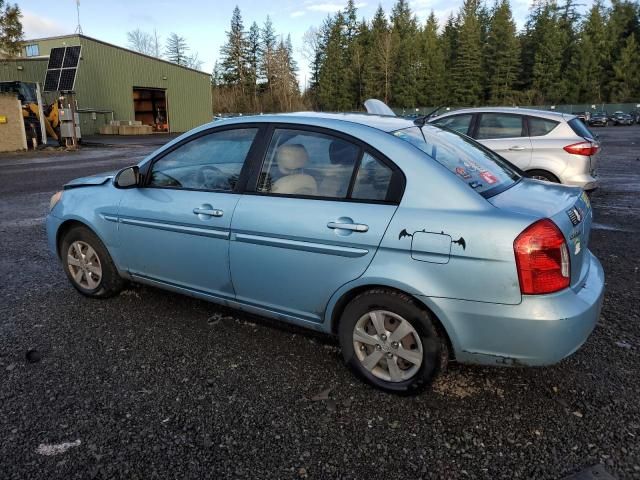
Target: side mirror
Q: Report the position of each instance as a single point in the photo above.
(128, 177)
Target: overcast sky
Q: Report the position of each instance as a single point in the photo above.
(204, 22)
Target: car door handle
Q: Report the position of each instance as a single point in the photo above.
(354, 227)
(517, 148)
(211, 212)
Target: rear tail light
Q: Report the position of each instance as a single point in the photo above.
(542, 259)
(582, 148)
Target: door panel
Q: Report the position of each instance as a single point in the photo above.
(164, 239)
(506, 135)
(290, 255)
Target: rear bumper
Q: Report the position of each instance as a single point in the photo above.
(586, 181)
(541, 330)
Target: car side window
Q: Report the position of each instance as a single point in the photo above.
(308, 164)
(540, 126)
(373, 180)
(459, 123)
(210, 162)
(499, 125)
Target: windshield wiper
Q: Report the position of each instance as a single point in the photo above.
(420, 121)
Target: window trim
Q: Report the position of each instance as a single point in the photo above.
(397, 183)
(478, 117)
(256, 144)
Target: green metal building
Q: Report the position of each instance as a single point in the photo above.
(115, 83)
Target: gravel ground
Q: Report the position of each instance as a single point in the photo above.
(156, 385)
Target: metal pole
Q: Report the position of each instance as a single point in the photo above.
(72, 106)
(43, 130)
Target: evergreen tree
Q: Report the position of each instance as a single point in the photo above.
(622, 22)
(176, 49)
(379, 58)
(334, 93)
(10, 29)
(502, 55)
(431, 75)
(449, 40)
(467, 68)
(405, 53)
(253, 56)
(625, 86)
(234, 53)
(586, 71)
(268, 45)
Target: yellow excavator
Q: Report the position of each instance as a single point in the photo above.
(26, 93)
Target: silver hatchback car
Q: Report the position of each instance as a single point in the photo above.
(551, 146)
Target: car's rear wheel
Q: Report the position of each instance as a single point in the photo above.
(542, 175)
(88, 265)
(390, 342)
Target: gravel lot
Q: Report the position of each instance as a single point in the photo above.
(156, 385)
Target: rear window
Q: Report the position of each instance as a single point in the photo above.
(541, 126)
(581, 129)
(477, 166)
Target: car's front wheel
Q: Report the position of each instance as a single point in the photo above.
(391, 342)
(88, 265)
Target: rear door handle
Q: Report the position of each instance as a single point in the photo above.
(210, 212)
(517, 148)
(354, 227)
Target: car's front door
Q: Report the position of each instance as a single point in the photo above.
(175, 228)
(319, 208)
(505, 134)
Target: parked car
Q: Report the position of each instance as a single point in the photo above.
(621, 118)
(549, 146)
(583, 116)
(414, 245)
(635, 114)
(599, 119)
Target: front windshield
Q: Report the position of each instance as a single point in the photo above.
(480, 168)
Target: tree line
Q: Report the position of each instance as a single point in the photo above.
(476, 57)
(256, 71)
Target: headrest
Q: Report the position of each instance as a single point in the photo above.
(343, 153)
(291, 157)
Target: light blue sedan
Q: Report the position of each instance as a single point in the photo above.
(412, 243)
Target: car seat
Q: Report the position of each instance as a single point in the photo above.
(291, 159)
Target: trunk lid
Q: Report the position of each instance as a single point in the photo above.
(568, 207)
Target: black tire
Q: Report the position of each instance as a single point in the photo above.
(435, 351)
(110, 283)
(547, 176)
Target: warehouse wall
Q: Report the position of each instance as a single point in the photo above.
(107, 76)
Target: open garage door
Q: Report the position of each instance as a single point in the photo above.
(150, 108)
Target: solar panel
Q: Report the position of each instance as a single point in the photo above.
(56, 57)
(71, 57)
(67, 79)
(51, 80)
(62, 69)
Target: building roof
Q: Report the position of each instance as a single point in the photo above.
(77, 35)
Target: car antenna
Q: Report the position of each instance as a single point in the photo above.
(420, 121)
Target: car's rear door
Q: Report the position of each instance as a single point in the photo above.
(505, 134)
(175, 228)
(311, 220)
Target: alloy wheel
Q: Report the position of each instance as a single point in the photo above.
(387, 345)
(84, 265)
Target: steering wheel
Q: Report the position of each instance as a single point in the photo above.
(212, 178)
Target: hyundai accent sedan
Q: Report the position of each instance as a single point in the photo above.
(415, 245)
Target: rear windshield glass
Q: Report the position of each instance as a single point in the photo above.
(477, 166)
(581, 129)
